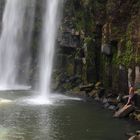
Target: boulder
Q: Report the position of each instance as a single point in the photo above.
(97, 98)
(125, 111)
(135, 137)
(120, 105)
(105, 100)
(112, 107)
(93, 93)
(138, 132)
(87, 88)
(130, 134)
(112, 101)
(98, 84)
(106, 105)
(135, 116)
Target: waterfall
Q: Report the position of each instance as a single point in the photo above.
(49, 33)
(25, 57)
(13, 43)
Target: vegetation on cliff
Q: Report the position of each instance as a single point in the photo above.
(109, 32)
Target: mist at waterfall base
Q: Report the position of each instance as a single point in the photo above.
(14, 50)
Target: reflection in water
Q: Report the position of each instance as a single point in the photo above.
(25, 124)
(3, 133)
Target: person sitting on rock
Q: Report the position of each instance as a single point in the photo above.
(131, 94)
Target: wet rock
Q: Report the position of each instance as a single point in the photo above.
(93, 93)
(111, 94)
(130, 134)
(112, 101)
(106, 105)
(135, 115)
(125, 111)
(88, 99)
(120, 105)
(98, 84)
(88, 87)
(101, 92)
(138, 117)
(97, 99)
(104, 101)
(135, 137)
(112, 107)
(132, 138)
(138, 132)
(76, 91)
(119, 98)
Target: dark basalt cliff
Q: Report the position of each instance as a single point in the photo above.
(100, 41)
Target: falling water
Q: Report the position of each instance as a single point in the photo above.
(11, 43)
(25, 57)
(49, 34)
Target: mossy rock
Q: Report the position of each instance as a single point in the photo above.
(76, 89)
(67, 86)
(70, 69)
(93, 93)
(98, 84)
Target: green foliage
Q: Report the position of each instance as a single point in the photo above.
(79, 23)
(85, 2)
(128, 54)
(88, 40)
(98, 4)
(90, 24)
(137, 59)
(84, 16)
(90, 51)
(126, 57)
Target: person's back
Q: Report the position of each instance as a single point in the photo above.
(131, 94)
(131, 90)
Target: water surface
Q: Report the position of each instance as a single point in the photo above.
(65, 119)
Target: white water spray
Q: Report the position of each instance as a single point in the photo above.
(49, 34)
(11, 47)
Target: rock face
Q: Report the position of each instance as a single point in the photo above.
(109, 32)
